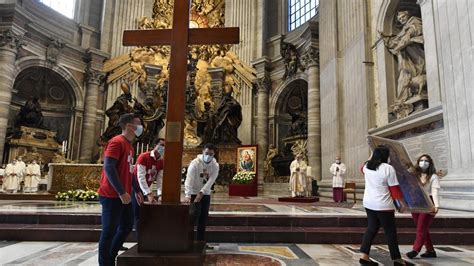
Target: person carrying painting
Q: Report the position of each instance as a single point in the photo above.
(381, 192)
(425, 171)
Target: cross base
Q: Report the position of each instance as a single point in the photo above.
(165, 228)
(193, 256)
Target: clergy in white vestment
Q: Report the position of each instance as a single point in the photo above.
(298, 176)
(12, 177)
(338, 169)
(22, 165)
(33, 176)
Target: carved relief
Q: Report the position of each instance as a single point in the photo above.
(54, 49)
(93, 76)
(311, 57)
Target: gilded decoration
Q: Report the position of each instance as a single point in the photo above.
(66, 177)
(202, 59)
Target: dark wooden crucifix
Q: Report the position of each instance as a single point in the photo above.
(179, 37)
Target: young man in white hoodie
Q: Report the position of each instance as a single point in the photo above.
(201, 175)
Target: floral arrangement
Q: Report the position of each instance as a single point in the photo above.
(78, 195)
(243, 177)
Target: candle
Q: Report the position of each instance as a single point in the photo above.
(62, 147)
(138, 145)
(142, 147)
(147, 147)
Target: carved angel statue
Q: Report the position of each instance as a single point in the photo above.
(408, 47)
(272, 153)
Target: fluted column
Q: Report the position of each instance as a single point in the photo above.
(263, 88)
(9, 45)
(311, 60)
(94, 79)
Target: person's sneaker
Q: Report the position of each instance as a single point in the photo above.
(367, 262)
(429, 254)
(399, 262)
(209, 247)
(123, 248)
(412, 254)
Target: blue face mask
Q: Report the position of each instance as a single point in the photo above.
(139, 131)
(207, 158)
(161, 150)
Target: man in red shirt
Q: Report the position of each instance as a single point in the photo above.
(149, 167)
(115, 189)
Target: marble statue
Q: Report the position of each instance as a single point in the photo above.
(298, 183)
(272, 153)
(299, 124)
(291, 59)
(32, 177)
(13, 175)
(30, 114)
(59, 157)
(227, 117)
(408, 47)
(121, 106)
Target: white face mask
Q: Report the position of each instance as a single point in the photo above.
(139, 130)
(424, 165)
(207, 158)
(338, 161)
(161, 150)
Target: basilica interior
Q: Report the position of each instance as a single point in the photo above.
(318, 79)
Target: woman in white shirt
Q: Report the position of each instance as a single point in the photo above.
(381, 189)
(425, 171)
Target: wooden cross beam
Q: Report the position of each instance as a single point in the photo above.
(179, 38)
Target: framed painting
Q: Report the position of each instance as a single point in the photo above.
(413, 193)
(247, 158)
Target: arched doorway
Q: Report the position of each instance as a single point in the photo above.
(55, 95)
(291, 120)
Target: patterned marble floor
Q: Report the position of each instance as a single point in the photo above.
(61, 253)
(221, 204)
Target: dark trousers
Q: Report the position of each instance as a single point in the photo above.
(386, 219)
(136, 213)
(422, 222)
(203, 215)
(117, 222)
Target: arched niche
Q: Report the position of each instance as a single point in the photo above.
(56, 96)
(387, 65)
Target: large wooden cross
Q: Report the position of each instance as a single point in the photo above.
(179, 37)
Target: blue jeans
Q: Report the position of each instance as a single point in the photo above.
(117, 223)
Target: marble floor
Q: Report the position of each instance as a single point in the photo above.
(62, 253)
(221, 204)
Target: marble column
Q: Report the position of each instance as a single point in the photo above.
(94, 79)
(311, 60)
(263, 88)
(10, 42)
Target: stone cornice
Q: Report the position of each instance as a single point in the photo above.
(422, 2)
(263, 84)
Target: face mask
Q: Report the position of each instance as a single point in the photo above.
(139, 130)
(338, 161)
(161, 150)
(207, 158)
(424, 165)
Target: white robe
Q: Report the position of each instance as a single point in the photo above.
(12, 177)
(32, 178)
(298, 178)
(338, 176)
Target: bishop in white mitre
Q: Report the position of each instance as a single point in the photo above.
(298, 176)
